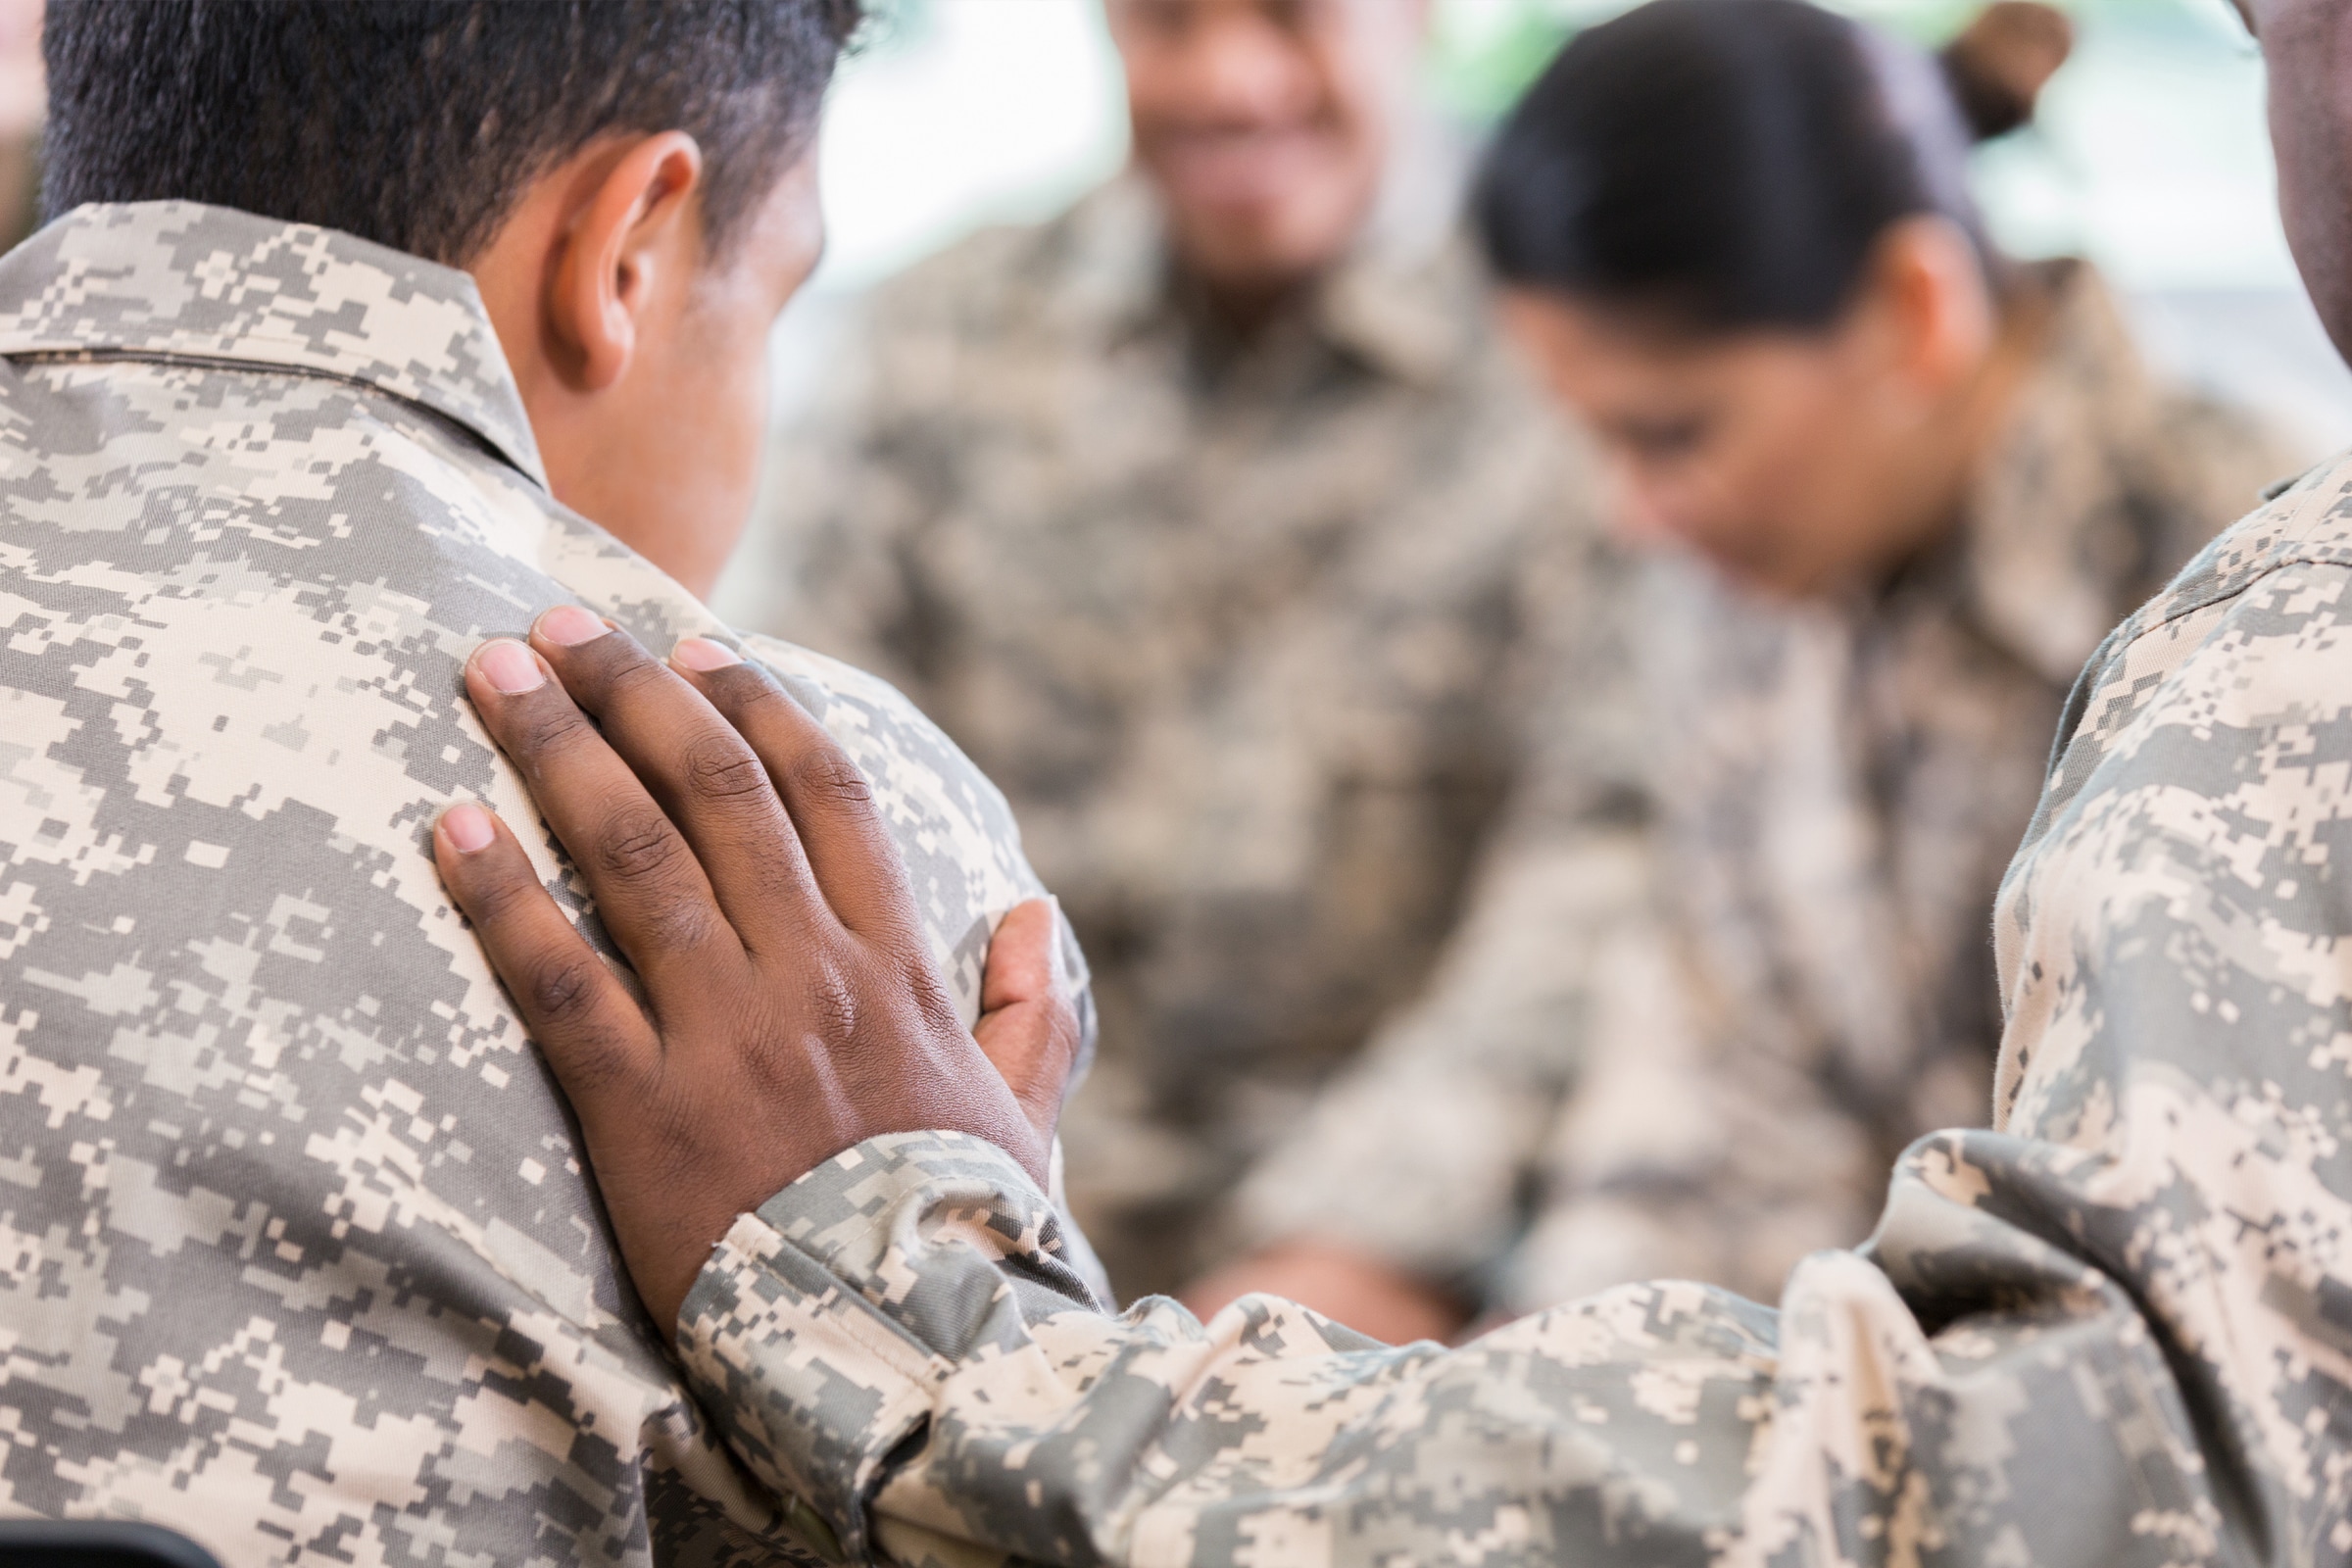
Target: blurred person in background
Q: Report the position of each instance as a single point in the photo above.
(24, 101)
(1733, 950)
(1205, 518)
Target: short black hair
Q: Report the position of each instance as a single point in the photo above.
(419, 124)
(1724, 165)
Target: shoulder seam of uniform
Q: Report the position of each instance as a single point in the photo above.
(2240, 588)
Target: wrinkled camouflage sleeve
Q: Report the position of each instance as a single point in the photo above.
(2113, 1330)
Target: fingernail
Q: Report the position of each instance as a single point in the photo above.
(568, 626)
(509, 667)
(700, 653)
(466, 827)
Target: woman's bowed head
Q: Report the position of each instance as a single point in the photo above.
(1737, 239)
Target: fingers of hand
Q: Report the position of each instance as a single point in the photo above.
(593, 1034)
(848, 847)
(649, 889)
(1021, 964)
(704, 776)
(1028, 1026)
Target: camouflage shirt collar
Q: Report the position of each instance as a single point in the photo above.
(179, 280)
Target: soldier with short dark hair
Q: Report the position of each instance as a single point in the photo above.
(365, 331)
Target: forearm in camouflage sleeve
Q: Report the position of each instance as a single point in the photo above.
(893, 1338)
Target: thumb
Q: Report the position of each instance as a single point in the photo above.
(1028, 1025)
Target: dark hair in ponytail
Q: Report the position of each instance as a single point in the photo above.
(1724, 164)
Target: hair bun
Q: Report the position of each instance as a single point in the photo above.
(2001, 61)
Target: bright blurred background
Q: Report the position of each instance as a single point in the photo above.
(2148, 155)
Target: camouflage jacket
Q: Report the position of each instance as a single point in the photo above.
(2114, 1328)
(1733, 953)
(1232, 625)
(296, 1252)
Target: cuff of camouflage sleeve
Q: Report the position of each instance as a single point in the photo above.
(823, 1326)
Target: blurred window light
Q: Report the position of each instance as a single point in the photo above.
(955, 113)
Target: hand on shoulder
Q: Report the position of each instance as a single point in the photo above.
(790, 1007)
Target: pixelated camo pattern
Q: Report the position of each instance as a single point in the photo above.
(296, 1254)
(2114, 1329)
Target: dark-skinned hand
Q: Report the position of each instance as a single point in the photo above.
(791, 1009)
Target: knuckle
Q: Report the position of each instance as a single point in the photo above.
(826, 772)
(638, 846)
(679, 924)
(718, 768)
(641, 851)
(564, 990)
(833, 1008)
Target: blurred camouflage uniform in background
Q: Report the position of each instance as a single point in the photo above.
(1732, 954)
(1232, 623)
(296, 1252)
(2113, 1331)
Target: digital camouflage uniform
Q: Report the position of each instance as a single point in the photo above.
(1733, 953)
(296, 1252)
(2114, 1330)
(1231, 624)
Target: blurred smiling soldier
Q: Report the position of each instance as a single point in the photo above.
(1203, 518)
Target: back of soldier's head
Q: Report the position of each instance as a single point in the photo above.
(419, 124)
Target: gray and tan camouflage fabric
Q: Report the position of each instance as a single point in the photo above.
(296, 1252)
(2114, 1328)
(1733, 953)
(1233, 624)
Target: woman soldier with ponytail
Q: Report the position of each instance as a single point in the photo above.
(1888, 488)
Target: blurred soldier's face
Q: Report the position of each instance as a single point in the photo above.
(2307, 45)
(1798, 462)
(1264, 124)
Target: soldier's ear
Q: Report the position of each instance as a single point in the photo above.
(597, 250)
(1927, 286)
(626, 257)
